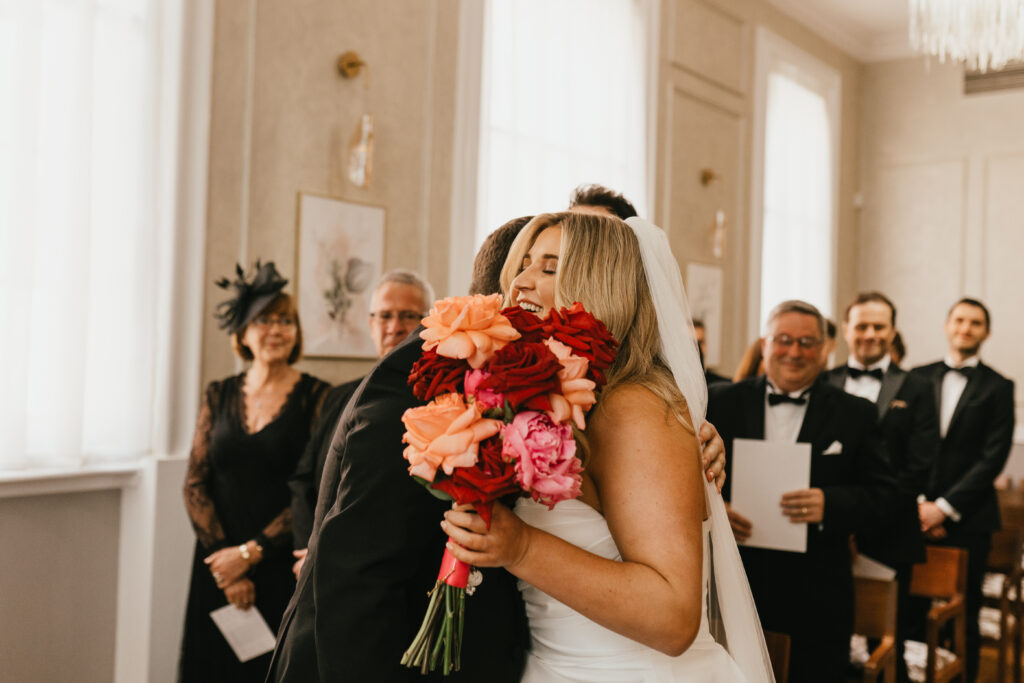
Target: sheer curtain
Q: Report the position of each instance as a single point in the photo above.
(800, 177)
(564, 102)
(86, 205)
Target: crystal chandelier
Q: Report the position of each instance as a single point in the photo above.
(983, 34)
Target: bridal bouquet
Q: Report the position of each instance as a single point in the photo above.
(504, 390)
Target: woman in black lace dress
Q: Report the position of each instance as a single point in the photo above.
(252, 429)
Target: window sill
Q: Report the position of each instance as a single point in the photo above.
(41, 482)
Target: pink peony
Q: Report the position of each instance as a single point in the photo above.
(545, 455)
(577, 392)
(486, 398)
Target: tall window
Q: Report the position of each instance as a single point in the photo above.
(564, 102)
(798, 130)
(83, 170)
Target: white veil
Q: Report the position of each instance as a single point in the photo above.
(731, 609)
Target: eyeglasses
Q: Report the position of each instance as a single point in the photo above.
(404, 317)
(268, 321)
(785, 341)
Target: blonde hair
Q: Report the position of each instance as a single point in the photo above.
(600, 266)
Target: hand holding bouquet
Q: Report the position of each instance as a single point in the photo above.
(504, 389)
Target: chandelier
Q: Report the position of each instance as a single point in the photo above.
(983, 34)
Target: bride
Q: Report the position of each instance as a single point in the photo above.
(618, 583)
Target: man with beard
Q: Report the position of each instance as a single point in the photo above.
(975, 408)
(905, 405)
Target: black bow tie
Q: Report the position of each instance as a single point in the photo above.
(965, 371)
(776, 399)
(856, 373)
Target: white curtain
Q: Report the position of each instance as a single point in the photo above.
(86, 185)
(564, 102)
(799, 204)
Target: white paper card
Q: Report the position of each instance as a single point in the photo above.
(866, 568)
(761, 472)
(245, 630)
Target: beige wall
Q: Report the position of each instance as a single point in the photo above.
(58, 587)
(943, 206)
(281, 117)
(706, 120)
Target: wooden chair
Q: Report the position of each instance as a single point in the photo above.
(874, 617)
(944, 576)
(1005, 558)
(778, 652)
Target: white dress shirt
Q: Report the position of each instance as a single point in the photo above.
(866, 386)
(783, 421)
(953, 385)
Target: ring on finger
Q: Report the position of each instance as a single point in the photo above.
(803, 510)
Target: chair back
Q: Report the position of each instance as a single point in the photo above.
(942, 575)
(1005, 554)
(778, 652)
(874, 614)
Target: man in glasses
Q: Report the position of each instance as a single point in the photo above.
(400, 300)
(808, 596)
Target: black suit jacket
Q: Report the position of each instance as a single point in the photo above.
(374, 553)
(910, 427)
(305, 481)
(810, 595)
(975, 447)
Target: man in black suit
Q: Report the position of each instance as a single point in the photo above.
(400, 300)
(975, 407)
(808, 596)
(905, 406)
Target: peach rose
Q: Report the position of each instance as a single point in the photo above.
(577, 392)
(444, 433)
(470, 327)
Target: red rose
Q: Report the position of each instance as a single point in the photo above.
(525, 372)
(585, 335)
(433, 375)
(526, 323)
(482, 484)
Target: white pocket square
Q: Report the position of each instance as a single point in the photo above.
(834, 449)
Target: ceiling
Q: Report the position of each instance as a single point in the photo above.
(870, 30)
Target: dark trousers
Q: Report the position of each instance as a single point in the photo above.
(977, 546)
(911, 616)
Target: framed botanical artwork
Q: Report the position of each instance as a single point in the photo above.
(338, 261)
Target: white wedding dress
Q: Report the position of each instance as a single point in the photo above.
(566, 646)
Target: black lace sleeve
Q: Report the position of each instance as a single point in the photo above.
(276, 537)
(198, 504)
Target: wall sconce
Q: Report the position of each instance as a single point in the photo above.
(708, 176)
(360, 145)
(350, 64)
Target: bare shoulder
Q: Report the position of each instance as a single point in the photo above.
(632, 406)
(634, 423)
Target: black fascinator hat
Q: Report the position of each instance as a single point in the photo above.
(251, 297)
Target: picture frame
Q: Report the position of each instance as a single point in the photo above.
(339, 258)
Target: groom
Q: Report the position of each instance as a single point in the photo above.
(377, 542)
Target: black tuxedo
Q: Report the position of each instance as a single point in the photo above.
(971, 456)
(909, 424)
(810, 596)
(374, 553)
(910, 427)
(975, 448)
(305, 480)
